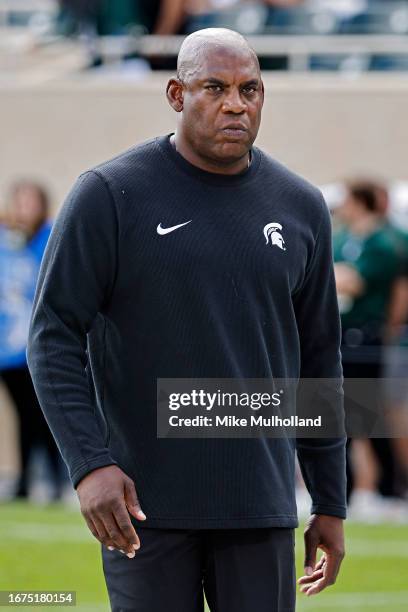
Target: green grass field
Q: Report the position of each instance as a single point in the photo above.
(51, 548)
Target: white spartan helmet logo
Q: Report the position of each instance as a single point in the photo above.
(271, 231)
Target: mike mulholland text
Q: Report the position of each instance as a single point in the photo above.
(255, 421)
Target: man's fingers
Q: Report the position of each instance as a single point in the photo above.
(97, 528)
(330, 570)
(115, 534)
(132, 501)
(314, 588)
(317, 573)
(103, 534)
(92, 528)
(309, 579)
(127, 530)
(321, 561)
(109, 537)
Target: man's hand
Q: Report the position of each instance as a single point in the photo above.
(324, 532)
(107, 495)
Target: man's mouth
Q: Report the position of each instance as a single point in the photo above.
(235, 130)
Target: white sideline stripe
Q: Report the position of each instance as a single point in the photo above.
(362, 600)
(73, 533)
(380, 548)
(40, 531)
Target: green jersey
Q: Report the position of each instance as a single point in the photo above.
(377, 258)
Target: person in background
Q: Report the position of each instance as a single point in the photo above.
(163, 17)
(24, 231)
(367, 265)
(120, 18)
(396, 351)
(108, 17)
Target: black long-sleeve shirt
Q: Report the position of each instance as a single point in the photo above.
(119, 305)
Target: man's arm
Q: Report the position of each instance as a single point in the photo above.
(322, 460)
(77, 276)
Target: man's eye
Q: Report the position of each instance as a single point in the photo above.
(214, 88)
(249, 89)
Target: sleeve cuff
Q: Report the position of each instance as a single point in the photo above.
(330, 510)
(84, 469)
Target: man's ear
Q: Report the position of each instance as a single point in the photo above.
(174, 93)
(263, 92)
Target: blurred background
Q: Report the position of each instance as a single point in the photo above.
(82, 80)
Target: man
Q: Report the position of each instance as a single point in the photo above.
(158, 268)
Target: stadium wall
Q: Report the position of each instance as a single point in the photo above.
(322, 126)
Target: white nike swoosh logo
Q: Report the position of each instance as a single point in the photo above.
(166, 230)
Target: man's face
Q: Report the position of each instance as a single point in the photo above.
(222, 104)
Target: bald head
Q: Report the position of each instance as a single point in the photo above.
(198, 46)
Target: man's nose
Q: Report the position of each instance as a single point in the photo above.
(233, 102)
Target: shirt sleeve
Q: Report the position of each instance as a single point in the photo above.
(322, 460)
(76, 276)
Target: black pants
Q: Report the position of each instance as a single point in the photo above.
(33, 429)
(382, 447)
(240, 570)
